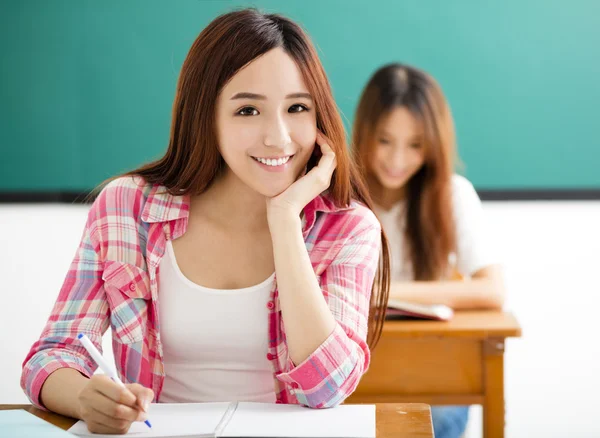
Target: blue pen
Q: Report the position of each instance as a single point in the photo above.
(104, 366)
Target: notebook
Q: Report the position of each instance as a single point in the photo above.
(402, 309)
(21, 424)
(249, 420)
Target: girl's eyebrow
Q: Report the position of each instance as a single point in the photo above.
(416, 137)
(384, 133)
(246, 95)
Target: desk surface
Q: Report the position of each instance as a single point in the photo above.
(470, 324)
(394, 420)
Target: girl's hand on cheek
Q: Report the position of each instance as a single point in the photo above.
(291, 202)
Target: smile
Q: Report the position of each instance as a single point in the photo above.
(274, 162)
(396, 173)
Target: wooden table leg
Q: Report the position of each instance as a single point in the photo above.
(493, 408)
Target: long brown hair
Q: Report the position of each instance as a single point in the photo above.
(430, 230)
(192, 161)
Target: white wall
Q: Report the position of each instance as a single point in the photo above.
(552, 257)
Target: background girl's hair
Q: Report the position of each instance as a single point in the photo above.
(430, 230)
(192, 161)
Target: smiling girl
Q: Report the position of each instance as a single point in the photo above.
(244, 265)
(404, 139)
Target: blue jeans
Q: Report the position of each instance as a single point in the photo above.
(449, 421)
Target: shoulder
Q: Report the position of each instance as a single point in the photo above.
(123, 197)
(464, 195)
(126, 187)
(349, 235)
(365, 218)
(346, 222)
(461, 185)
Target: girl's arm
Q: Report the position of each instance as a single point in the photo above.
(57, 366)
(484, 290)
(308, 320)
(81, 306)
(324, 308)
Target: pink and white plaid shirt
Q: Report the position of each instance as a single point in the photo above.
(113, 279)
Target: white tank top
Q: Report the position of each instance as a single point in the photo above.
(214, 341)
(473, 248)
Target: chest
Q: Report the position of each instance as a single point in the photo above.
(214, 257)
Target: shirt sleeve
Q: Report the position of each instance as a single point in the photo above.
(81, 307)
(332, 372)
(474, 250)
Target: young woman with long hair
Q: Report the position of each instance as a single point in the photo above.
(404, 139)
(245, 264)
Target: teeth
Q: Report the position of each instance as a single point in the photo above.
(273, 162)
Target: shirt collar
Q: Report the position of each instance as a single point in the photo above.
(162, 206)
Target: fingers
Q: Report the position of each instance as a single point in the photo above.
(107, 407)
(327, 163)
(115, 424)
(113, 391)
(328, 160)
(143, 395)
(100, 403)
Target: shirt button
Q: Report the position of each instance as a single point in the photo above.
(270, 356)
(270, 305)
(131, 287)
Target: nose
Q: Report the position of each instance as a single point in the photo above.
(398, 157)
(277, 133)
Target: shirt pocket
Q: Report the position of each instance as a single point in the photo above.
(128, 292)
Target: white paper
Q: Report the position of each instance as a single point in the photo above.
(170, 420)
(279, 420)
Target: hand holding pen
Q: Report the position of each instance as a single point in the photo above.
(107, 405)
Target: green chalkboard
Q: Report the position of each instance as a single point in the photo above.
(86, 86)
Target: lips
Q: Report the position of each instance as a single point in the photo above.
(273, 161)
(396, 173)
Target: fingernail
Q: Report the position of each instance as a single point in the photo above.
(146, 404)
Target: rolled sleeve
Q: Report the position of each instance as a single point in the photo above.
(44, 363)
(329, 374)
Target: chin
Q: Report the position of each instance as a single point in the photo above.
(392, 185)
(271, 192)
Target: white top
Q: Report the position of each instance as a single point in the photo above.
(473, 249)
(214, 341)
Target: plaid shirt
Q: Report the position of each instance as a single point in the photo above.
(113, 280)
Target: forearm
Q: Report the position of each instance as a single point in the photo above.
(476, 293)
(307, 318)
(61, 390)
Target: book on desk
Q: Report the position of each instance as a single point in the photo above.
(405, 310)
(245, 419)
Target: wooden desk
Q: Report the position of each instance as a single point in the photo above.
(443, 363)
(394, 420)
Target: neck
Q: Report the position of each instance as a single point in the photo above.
(385, 198)
(232, 204)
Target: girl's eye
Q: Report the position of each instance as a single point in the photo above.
(415, 145)
(384, 141)
(298, 108)
(247, 111)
